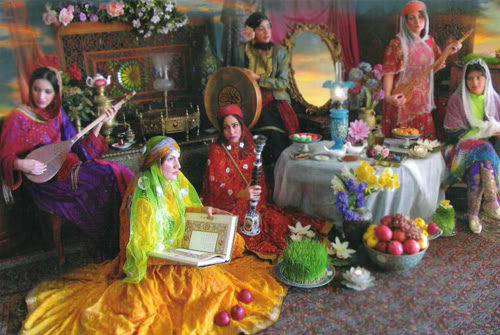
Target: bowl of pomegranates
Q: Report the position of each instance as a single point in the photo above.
(398, 243)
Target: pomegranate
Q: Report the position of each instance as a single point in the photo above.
(237, 312)
(386, 220)
(381, 246)
(432, 228)
(383, 233)
(395, 248)
(399, 235)
(411, 247)
(245, 296)
(222, 318)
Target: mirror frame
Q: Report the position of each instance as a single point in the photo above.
(335, 51)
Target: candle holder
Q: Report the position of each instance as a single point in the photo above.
(251, 224)
(339, 117)
(357, 278)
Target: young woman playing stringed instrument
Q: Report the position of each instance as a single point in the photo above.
(85, 191)
(408, 55)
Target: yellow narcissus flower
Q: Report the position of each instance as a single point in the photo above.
(364, 172)
(445, 204)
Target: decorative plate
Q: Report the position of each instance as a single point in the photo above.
(321, 157)
(129, 76)
(436, 235)
(123, 146)
(396, 132)
(330, 274)
(305, 138)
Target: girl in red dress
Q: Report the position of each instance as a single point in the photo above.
(409, 54)
(226, 186)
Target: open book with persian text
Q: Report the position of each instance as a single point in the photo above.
(206, 242)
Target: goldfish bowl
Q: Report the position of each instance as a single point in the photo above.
(394, 263)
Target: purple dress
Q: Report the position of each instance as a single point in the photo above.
(94, 204)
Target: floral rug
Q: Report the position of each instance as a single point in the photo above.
(455, 289)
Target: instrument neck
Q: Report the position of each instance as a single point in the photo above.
(88, 128)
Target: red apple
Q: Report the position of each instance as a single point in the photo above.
(386, 220)
(383, 233)
(395, 248)
(245, 296)
(381, 246)
(432, 228)
(399, 235)
(411, 247)
(222, 318)
(237, 312)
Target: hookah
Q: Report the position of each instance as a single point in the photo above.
(251, 224)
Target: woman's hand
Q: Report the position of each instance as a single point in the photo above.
(211, 211)
(250, 193)
(252, 74)
(397, 100)
(30, 166)
(454, 47)
(110, 113)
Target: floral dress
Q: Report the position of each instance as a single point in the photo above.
(416, 113)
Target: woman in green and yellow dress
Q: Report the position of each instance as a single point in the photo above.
(156, 297)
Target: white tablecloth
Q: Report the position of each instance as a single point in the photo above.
(305, 184)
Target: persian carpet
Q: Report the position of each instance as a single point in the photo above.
(455, 289)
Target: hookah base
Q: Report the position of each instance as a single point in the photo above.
(253, 232)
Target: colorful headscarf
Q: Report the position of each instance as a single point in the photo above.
(162, 225)
(486, 127)
(412, 7)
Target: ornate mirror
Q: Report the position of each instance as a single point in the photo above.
(313, 51)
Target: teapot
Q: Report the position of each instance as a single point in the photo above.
(98, 81)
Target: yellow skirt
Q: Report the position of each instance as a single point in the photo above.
(171, 299)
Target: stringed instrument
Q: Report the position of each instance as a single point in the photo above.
(53, 155)
(407, 89)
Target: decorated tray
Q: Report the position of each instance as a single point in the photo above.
(305, 138)
(330, 274)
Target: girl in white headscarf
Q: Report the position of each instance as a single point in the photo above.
(406, 57)
(472, 118)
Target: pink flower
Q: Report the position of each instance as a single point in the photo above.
(385, 152)
(50, 17)
(247, 34)
(66, 16)
(115, 9)
(358, 130)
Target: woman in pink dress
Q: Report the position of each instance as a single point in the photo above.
(409, 54)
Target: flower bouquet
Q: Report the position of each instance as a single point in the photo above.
(351, 187)
(76, 96)
(367, 90)
(148, 17)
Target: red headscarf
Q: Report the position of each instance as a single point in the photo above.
(412, 7)
(230, 110)
(246, 136)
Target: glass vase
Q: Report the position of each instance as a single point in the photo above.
(339, 119)
(354, 230)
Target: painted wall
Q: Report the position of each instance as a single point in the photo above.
(376, 19)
